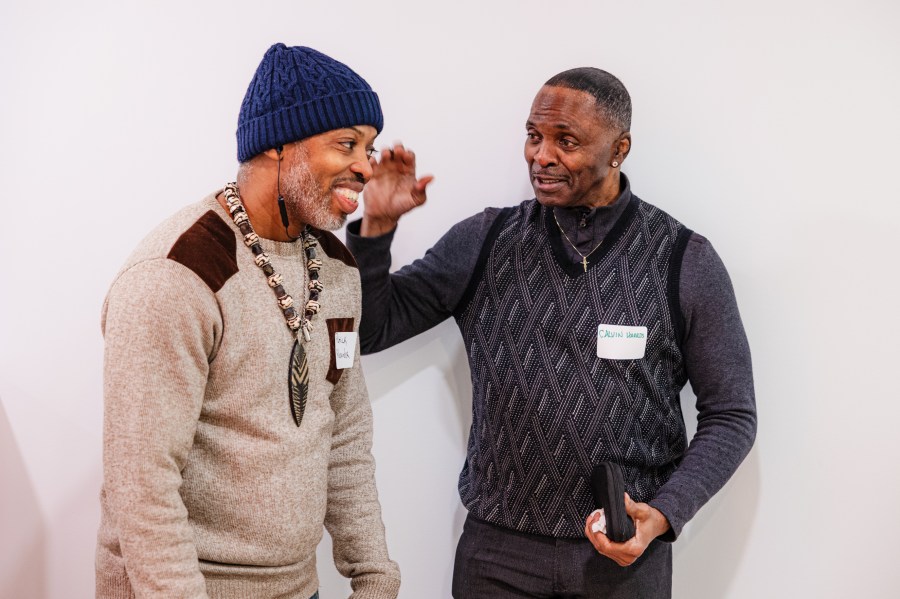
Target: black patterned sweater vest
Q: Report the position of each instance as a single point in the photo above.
(545, 407)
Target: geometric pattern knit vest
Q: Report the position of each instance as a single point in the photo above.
(545, 407)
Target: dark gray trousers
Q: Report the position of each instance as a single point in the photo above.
(498, 563)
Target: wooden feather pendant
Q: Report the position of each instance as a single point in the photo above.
(298, 382)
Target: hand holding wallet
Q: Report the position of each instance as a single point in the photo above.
(608, 488)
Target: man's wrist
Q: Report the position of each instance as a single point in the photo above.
(659, 522)
(375, 227)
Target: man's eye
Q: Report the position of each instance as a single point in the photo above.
(348, 144)
(371, 152)
(567, 143)
(533, 137)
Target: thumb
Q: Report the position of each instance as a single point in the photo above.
(422, 183)
(419, 189)
(631, 508)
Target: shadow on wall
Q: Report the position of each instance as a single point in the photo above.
(423, 393)
(459, 380)
(71, 549)
(440, 347)
(709, 552)
(23, 549)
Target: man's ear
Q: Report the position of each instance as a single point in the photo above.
(275, 153)
(623, 146)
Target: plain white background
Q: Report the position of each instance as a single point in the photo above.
(771, 127)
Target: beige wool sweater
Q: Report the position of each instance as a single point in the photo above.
(210, 489)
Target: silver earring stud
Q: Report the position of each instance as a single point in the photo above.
(615, 163)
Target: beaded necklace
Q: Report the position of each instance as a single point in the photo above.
(295, 321)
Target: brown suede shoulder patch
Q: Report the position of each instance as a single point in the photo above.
(209, 249)
(333, 247)
(336, 325)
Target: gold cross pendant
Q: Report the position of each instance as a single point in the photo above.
(584, 262)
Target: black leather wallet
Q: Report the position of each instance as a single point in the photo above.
(608, 487)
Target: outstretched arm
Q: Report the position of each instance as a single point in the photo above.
(400, 305)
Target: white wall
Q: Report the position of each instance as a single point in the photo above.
(771, 128)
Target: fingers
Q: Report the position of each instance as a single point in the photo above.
(399, 154)
(589, 523)
(620, 553)
(637, 511)
(624, 554)
(597, 539)
(385, 155)
(404, 156)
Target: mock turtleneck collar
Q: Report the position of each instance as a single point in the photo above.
(586, 227)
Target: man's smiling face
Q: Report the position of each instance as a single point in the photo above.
(326, 174)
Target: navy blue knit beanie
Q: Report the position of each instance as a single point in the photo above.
(298, 92)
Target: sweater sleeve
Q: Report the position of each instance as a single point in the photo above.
(160, 324)
(353, 515)
(717, 360)
(422, 294)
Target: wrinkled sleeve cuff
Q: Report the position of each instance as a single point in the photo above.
(668, 510)
(375, 586)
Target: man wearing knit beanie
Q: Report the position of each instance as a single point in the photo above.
(236, 419)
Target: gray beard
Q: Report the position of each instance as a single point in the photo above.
(306, 201)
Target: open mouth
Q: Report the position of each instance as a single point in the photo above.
(348, 199)
(547, 184)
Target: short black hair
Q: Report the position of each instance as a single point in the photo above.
(610, 94)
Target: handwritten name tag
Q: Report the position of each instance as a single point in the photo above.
(616, 342)
(344, 349)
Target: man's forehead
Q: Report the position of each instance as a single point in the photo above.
(564, 108)
(360, 131)
(564, 100)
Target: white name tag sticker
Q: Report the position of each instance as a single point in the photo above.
(616, 342)
(344, 349)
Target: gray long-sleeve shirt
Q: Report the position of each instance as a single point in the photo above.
(716, 354)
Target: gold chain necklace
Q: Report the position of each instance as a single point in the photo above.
(584, 257)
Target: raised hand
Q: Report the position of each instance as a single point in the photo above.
(392, 191)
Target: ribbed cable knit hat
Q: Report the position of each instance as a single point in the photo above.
(298, 92)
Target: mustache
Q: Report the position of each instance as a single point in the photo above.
(356, 178)
(546, 173)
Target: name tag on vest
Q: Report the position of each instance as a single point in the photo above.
(616, 342)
